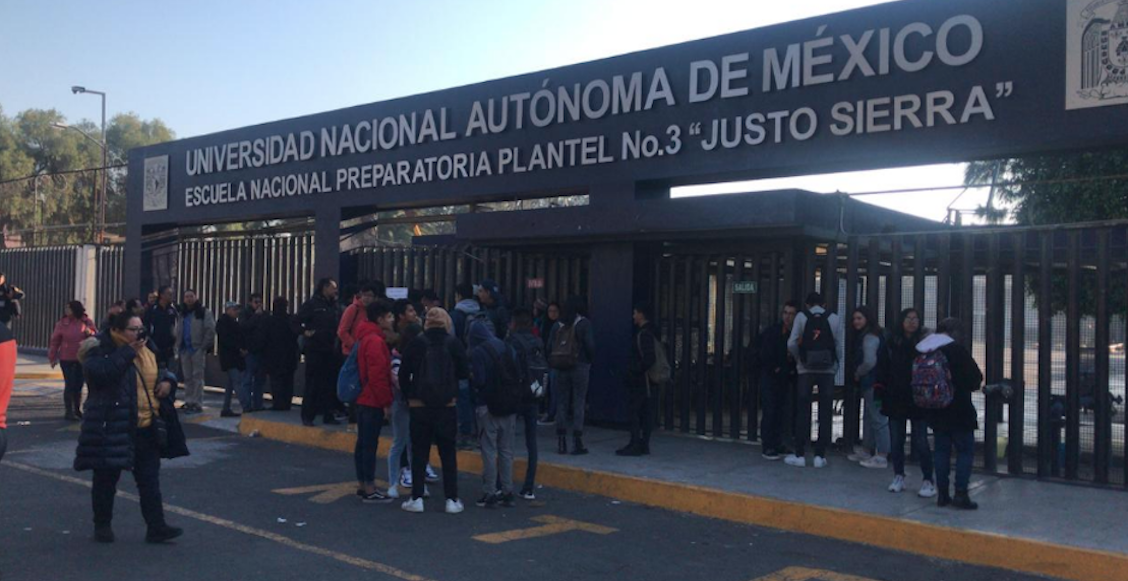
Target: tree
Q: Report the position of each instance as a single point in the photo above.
(40, 182)
(1061, 189)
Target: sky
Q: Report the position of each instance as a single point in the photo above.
(207, 66)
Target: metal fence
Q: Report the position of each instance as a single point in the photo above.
(1043, 308)
(47, 276)
(522, 277)
(230, 268)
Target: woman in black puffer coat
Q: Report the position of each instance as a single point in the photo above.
(129, 398)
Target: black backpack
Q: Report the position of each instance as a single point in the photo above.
(817, 348)
(435, 383)
(505, 394)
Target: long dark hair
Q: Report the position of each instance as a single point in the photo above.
(572, 307)
(77, 310)
(871, 323)
(897, 335)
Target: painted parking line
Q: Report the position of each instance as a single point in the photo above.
(234, 526)
(327, 493)
(805, 574)
(553, 525)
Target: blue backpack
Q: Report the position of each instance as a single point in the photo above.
(348, 381)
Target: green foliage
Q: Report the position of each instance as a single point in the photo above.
(32, 147)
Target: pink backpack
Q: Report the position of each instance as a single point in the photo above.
(932, 381)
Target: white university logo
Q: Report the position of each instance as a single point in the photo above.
(1097, 66)
(156, 183)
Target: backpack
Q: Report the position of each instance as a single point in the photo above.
(532, 352)
(932, 381)
(505, 394)
(817, 348)
(478, 317)
(435, 383)
(564, 352)
(659, 373)
(348, 380)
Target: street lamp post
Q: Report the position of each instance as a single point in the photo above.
(105, 159)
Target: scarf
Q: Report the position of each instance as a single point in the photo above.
(146, 364)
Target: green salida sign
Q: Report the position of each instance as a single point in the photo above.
(744, 287)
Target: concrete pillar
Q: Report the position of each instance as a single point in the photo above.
(86, 279)
(611, 280)
(327, 243)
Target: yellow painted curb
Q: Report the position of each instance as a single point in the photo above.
(974, 547)
(39, 375)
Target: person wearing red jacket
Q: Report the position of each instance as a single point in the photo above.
(7, 377)
(70, 331)
(374, 362)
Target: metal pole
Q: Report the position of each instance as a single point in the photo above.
(105, 176)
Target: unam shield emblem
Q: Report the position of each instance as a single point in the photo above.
(156, 183)
(1116, 50)
(1097, 53)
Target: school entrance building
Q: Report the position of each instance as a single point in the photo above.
(558, 183)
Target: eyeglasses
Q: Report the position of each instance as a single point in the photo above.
(135, 329)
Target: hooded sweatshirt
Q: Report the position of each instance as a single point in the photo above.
(463, 310)
(960, 416)
(374, 361)
(482, 371)
(350, 323)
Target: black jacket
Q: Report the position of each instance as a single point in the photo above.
(280, 344)
(321, 316)
(895, 373)
(254, 335)
(9, 303)
(231, 340)
(109, 422)
(967, 378)
(412, 360)
(584, 335)
(771, 353)
(161, 324)
(642, 355)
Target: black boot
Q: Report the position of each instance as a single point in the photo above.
(68, 415)
(561, 444)
(103, 533)
(578, 448)
(630, 445)
(645, 445)
(78, 404)
(963, 501)
(943, 498)
(162, 534)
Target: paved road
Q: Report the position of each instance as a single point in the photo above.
(239, 527)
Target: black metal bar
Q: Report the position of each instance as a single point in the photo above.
(830, 275)
(966, 282)
(1016, 416)
(754, 331)
(1102, 430)
(686, 399)
(718, 382)
(873, 276)
(920, 262)
(1047, 426)
(994, 326)
(671, 339)
(1073, 360)
(944, 279)
(702, 400)
(739, 377)
(851, 409)
(893, 283)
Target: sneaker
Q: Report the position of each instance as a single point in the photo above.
(860, 455)
(927, 489)
(876, 462)
(229, 414)
(162, 534)
(770, 455)
(487, 501)
(962, 501)
(546, 421)
(376, 497)
(507, 500)
(331, 422)
(393, 491)
(528, 494)
(899, 484)
(432, 476)
(797, 461)
(820, 462)
(454, 506)
(412, 505)
(405, 477)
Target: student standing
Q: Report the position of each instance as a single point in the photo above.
(7, 378)
(777, 377)
(817, 343)
(869, 340)
(195, 337)
(374, 362)
(318, 319)
(897, 403)
(280, 353)
(571, 351)
(70, 331)
(232, 346)
(641, 392)
(531, 350)
(498, 388)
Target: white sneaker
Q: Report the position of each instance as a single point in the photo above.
(432, 476)
(393, 491)
(927, 489)
(797, 461)
(413, 505)
(454, 506)
(876, 462)
(860, 455)
(405, 477)
(820, 462)
(898, 484)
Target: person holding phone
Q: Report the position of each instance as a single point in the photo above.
(123, 428)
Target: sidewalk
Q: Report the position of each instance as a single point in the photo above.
(1051, 529)
(35, 367)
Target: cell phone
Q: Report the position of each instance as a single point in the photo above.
(143, 335)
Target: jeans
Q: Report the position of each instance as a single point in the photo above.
(320, 383)
(877, 433)
(3, 442)
(282, 391)
(369, 421)
(401, 438)
(236, 386)
(529, 415)
(919, 442)
(147, 475)
(254, 380)
(72, 382)
(550, 390)
(192, 368)
(465, 405)
(773, 406)
(571, 387)
(436, 426)
(807, 383)
(964, 442)
(641, 411)
(496, 437)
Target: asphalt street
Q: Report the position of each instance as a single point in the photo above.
(257, 509)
